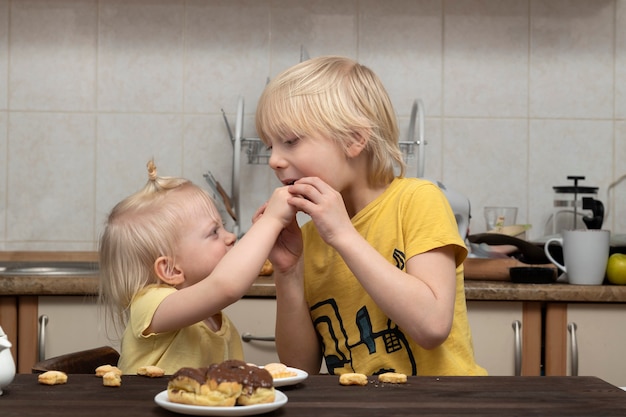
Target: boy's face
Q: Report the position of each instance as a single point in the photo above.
(203, 243)
(293, 158)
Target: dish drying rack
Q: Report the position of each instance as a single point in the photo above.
(257, 154)
(412, 145)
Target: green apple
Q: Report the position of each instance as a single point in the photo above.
(616, 269)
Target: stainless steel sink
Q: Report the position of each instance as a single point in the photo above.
(54, 269)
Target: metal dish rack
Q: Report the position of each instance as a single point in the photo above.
(257, 153)
(412, 145)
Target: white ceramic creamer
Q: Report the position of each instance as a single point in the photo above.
(7, 364)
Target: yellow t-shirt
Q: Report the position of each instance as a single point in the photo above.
(194, 346)
(411, 217)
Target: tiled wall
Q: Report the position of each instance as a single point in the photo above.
(518, 95)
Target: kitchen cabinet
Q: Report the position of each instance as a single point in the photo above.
(74, 323)
(506, 336)
(256, 317)
(586, 339)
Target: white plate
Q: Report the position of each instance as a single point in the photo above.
(201, 410)
(291, 380)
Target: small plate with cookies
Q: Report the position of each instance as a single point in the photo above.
(285, 375)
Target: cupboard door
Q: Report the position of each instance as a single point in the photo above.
(74, 323)
(494, 325)
(255, 317)
(601, 338)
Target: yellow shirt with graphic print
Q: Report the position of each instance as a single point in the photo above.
(412, 216)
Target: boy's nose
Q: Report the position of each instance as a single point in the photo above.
(276, 161)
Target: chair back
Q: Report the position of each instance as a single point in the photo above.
(83, 362)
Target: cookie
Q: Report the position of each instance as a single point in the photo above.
(112, 379)
(353, 379)
(52, 378)
(392, 378)
(151, 371)
(103, 369)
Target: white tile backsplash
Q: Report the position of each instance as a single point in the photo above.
(572, 59)
(52, 55)
(518, 94)
(140, 56)
(486, 58)
(4, 52)
(51, 178)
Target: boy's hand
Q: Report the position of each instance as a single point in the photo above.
(324, 204)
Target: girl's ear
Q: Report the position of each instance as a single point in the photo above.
(167, 272)
(359, 141)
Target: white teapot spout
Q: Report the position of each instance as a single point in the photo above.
(7, 364)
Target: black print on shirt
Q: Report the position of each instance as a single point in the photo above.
(390, 339)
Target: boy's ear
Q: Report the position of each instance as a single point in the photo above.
(360, 138)
(168, 272)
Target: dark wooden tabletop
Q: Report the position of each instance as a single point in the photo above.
(321, 395)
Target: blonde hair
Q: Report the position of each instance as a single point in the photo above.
(141, 228)
(339, 98)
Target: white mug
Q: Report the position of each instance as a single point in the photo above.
(585, 255)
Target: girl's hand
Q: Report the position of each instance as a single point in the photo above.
(278, 207)
(287, 249)
(324, 204)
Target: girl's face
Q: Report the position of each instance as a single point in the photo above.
(203, 243)
(293, 158)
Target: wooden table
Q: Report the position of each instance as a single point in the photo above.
(321, 395)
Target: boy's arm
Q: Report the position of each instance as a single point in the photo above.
(297, 343)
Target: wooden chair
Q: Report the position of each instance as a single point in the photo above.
(83, 362)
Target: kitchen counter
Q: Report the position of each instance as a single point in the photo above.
(475, 289)
(264, 287)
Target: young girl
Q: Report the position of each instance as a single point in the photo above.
(168, 267)
(374, 282)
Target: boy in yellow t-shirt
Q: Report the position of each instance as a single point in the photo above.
(374, 282)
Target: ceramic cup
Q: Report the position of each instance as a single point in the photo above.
(585, 255)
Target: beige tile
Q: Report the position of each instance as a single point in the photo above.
(140, 55)
(617, 200)
(558, 149)
(52, 55)
(227, 54)
(571, 58)
(4, 171)
(126, 142)
(486, 58)
(207, 147)
(322, 27)
(401, 40)
(4, 51)
(51, 177)
(620, 60)
(487, 160)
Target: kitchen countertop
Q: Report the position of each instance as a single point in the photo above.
(264, 287)
(475, 289)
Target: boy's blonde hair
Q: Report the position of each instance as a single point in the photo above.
(340, 99)
(140, 229)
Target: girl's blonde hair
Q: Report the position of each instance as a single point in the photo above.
(340, 99)
(140, 229)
